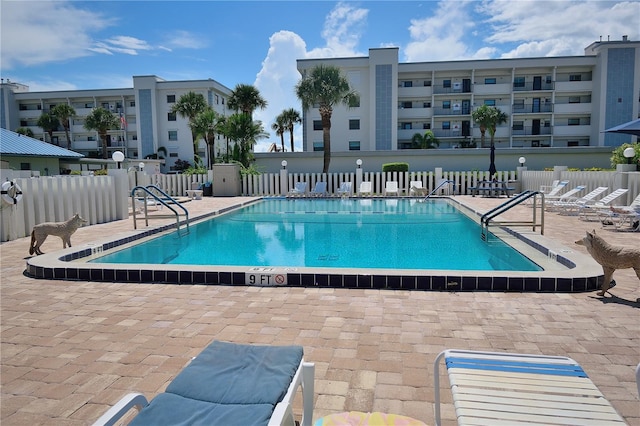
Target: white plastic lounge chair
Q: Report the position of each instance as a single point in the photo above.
(228, 384)
(300, 189)
(417, 189)
(556, 190)
(545, 189)
(572, 206)
(590, 212)
(621, 216)
(494, 388)
(565, 196)
(320, 190)
(391, 187)
(345, 189)
(365, 189)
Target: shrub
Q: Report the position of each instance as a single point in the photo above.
(395, 167)
(617, 156)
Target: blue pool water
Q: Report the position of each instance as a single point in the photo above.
(336, 233)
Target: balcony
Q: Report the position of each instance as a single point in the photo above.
(531, 131)
(574, 86)
(415, 92)
(451, 111)
(581, 130)
(406, 113)
(532, 108)
(492, 89)
(533, 87)
(573, 108)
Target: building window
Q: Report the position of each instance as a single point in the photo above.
(171, 99)
(518, 82)
(173, 135)
(406, 105)
(88, 105)
(490, 102)
(574, 99)
(317, 124)
(217, 100)
(518, 125)
(318, 146)
(427, 83)
(132, 104)
(518, 104)
(446, 83)
(573, 122)
(354, 145)
(25, 166)
(405, 126)
(490, 80)
(171, 116)
(23, 123)
(426, 126)
(426, 104)
(354, 124)
(575, 77)
(446, 104)
(173, 154)
(446, 125)
(407, 84)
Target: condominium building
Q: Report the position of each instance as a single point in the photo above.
(147, 123)
(549, 101)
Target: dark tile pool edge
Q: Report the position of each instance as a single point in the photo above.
(62, 267)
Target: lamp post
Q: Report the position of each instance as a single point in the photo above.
(359, 163)
(358, 174)
(284, 178)
(629, 153)
(284, 164)
(118, 157)
(522, 160)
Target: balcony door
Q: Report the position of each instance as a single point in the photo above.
(537, 82)
(536, 105)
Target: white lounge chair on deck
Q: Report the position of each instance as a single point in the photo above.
(620, 216)
(391, 187)
(571, 206)
(320, 190)
(494, 388)
(590, 212)
(365, 189)
(299, 190)
(563, 197)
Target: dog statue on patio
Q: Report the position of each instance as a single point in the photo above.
(610, 257)
(63, 230)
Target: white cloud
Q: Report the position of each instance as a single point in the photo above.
(180, 39)
(279, 74)
(441, 36)
(34, 34)
(557, 28)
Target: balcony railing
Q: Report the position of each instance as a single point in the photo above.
(532, 108)
(532, 86)
(531, 131)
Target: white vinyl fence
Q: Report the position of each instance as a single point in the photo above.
(101, 199)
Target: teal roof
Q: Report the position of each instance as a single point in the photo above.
(15, 144)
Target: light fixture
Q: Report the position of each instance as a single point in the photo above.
(359, 163)
(118, 157)
(141, 166)
(284, 164)
(522, 160)
(629, 153)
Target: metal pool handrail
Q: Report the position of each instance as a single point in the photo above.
(444, 182)
(148, 190)
(508, 205)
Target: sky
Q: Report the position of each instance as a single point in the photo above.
(69, 45)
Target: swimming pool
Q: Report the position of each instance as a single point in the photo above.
(336, 233)
(564, 270)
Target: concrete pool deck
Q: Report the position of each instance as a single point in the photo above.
(71, 349)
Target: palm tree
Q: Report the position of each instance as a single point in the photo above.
(246, 98)
(279, 128)
(488, 117)
(102, 120)
(25, 131)
(243, 130)
(426, 141)
(64, 112)
(49, 124)
(290, 117)
(205, 126)
(325, 86)
(189, 106)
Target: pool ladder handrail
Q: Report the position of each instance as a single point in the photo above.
(150, 191)
(443, 183)
(517, 199)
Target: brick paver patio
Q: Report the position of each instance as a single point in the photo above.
(71, 349)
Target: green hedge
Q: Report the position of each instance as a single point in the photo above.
(395, 167)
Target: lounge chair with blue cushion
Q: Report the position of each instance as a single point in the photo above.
(494, 388)
(320, 190)
(299, 190)
(228, 384)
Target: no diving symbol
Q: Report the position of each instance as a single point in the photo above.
(280, 279)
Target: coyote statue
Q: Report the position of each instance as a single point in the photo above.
(63, 230)
(610, 257)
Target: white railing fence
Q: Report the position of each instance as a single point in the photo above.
(101, 199)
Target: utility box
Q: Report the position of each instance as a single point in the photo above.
(226, 180)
